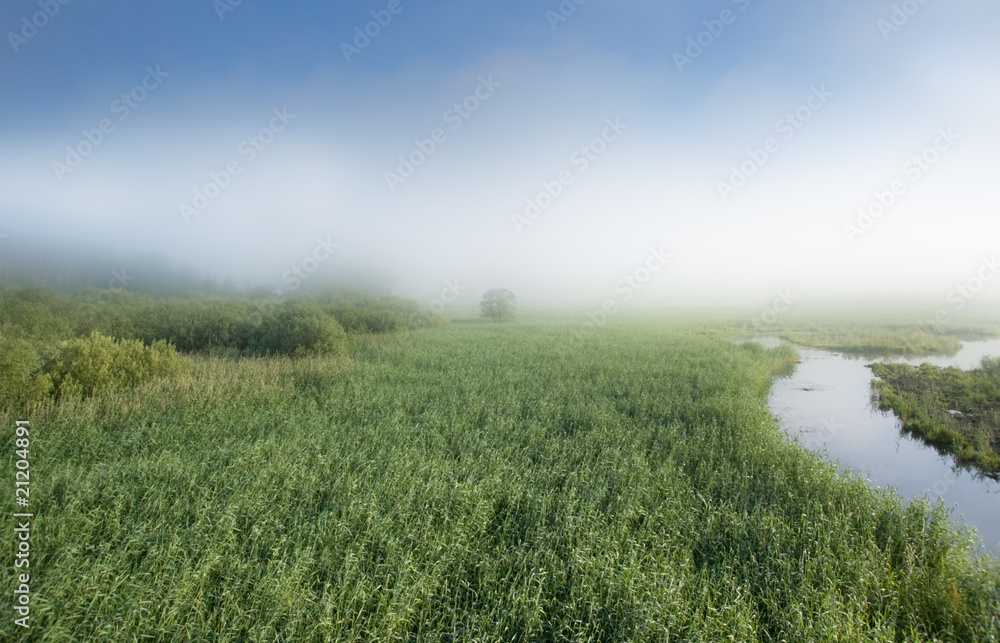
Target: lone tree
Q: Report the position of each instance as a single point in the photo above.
(498, 304)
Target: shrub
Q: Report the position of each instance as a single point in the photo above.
(119, 314)
(300, 328)
(359, 319)
(22, 381)
(35, 320)
(96, 364)
(360, 312)
(204, 325)
(427, 319)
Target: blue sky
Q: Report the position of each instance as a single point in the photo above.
(888, 92)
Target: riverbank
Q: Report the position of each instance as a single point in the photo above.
(956, 411)
(825, 404)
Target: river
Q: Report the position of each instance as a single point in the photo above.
(826, 402)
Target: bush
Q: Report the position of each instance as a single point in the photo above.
(360, 312)
(427, 319)
(355, 319)
(35, 320)
(22, 381)
(204, 325)
(300, 328)
(118, 314)
(97, 364)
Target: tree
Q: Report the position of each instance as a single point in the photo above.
(498, 304)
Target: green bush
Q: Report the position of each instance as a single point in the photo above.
(300, 328)
(36, 320)
(204, 325)
(22, 381)
(207, 323)
(360, 312)
(124, 315)
(360, 319)
(427, 318)
(192, 325)
(97, 364)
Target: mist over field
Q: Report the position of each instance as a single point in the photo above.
(842, 152)
(570, 320)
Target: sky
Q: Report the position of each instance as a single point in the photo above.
(654, 153)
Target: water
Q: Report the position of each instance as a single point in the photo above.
(967, 358)
(826, 401)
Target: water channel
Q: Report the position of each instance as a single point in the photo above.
(826, 402)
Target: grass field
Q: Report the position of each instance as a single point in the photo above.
(475, 482)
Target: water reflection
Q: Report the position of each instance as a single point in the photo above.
(827, 404)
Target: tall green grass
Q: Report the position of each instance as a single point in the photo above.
(926, 400)
(870, 339)
(476, 483)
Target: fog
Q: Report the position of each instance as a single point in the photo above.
(715, 153)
